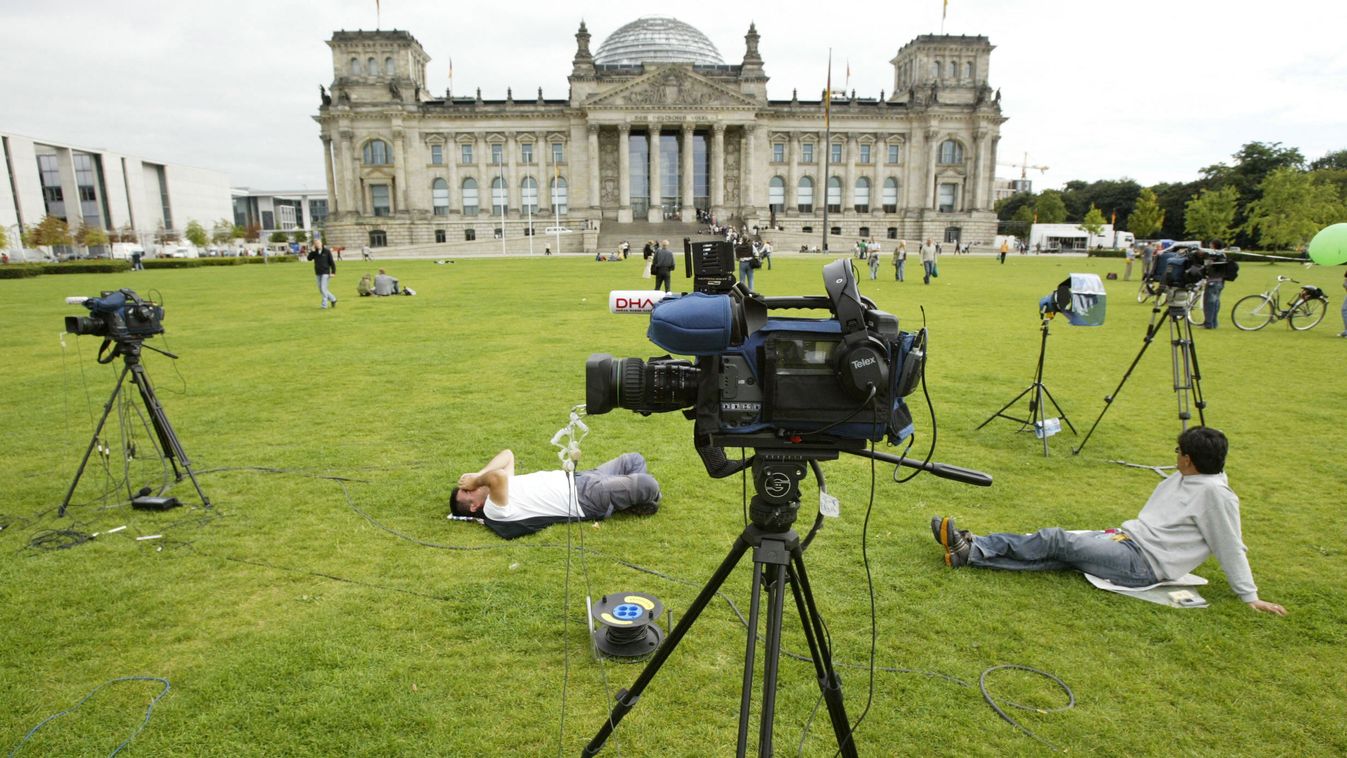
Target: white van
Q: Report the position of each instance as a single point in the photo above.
(556, 230)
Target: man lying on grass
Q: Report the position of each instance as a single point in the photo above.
(513, 506)
(1192, 515)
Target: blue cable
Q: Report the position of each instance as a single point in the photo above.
(148, 710)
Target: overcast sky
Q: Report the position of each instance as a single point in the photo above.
(1153, 90)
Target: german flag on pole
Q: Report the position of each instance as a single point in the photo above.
(828, 92)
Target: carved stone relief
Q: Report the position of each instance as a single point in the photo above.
(608, 168)
(732, 163)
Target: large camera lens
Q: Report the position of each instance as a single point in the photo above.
(663, 384)
(85, 325)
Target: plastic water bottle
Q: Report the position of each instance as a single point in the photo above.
(1047, 428)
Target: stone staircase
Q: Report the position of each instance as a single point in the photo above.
(637, 232)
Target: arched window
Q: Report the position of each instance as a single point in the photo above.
(499, 196)
(776, 194)
(863, 195)
(355, 67)
(559, 195)
(951, 152)
(439, 197)
(528, 195)
(376, 153)
(935, 70)
(378, 238)
(372, 67)
(968, 70)
(389, 68)
(805, 195)
(469, 197)
(834, 195)
(889, 196)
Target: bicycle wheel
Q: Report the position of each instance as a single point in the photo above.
(1196, 313)
(1145, 292)
(1253, 312)
(1308, 313)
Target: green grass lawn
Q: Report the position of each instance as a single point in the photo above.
(324, 606)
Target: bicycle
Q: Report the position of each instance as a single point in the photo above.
(1305, 311)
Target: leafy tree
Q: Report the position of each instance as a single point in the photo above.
(1292, 209)
(1117, 196)
(196, 233)
(50, 231)
(1093, 221)
(1173, 198)
(1210, 214)
(91, 236)
(1023, 220)
(164, 236)
(1008, 207)
(1336, 159)
(1252, 164)
(301, 236)
(1146, 218)
(252, 232)
(1049, 207)
(239, 232)
(278, 237)
(222, 231)
(125, 234)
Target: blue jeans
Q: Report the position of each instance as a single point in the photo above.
(899, 274)
(615, 486)
(1211, 304)
(926, 267)
(1344, 314)
(322, 288)
(746, 273)
(1119, 561)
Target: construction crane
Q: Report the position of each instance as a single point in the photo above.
(1025, 166)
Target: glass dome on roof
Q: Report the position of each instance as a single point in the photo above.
(657, 39)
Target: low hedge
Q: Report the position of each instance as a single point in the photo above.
(107, 266)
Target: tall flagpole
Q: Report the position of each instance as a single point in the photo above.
(378, 13)
(944, 10)
(827, 146)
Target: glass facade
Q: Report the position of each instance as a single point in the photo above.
(639, 154)
(50, 174)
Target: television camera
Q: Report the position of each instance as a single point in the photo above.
(117, 315)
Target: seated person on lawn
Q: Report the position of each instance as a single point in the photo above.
(1190, 516)
(514, 505)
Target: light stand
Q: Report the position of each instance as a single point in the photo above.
(778, 558)
(169, 446)
(1187, 377)
(1036, 418)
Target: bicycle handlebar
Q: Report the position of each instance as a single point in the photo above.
(1281, 278)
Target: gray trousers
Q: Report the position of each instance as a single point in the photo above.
(615, 486)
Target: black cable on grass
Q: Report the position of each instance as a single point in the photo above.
(986, 695)
(334, 577)
(149, 709)
(59, 539)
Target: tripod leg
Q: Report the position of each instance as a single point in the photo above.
(93, 441)
(1013, 400)
(750, 662)
(1151, 331)
(168, 439)
(627, 698)
(830, 685)
(1060, 412)
(1198, 401)
(776, 596)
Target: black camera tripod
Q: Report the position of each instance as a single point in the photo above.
(1037, 412)
(1186, 374)
(169, 446)
(778, 559)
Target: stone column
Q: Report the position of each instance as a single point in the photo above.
(451, 158)
(400, 169)
(623, 173)
(331, 184)
(717, 179)
(542, 173)
(512, 189)
(685, 161)
(792, 199)
(980, 151)
(593, 168)
(748, 190)
(850, 148)
(654, 214)
(932, 155)
(350, 198)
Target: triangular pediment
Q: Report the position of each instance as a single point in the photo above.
(670, 86)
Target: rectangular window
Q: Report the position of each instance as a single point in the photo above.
(497, 154)
(778, 152)
(526, 152)
(466, 152)
(865, 153)
(379, 199)
(51, 186)
(948, 197)
(440, 235)
(893, 153)
(807, 152)
(318, 211)
(437, 154)
(837, 153)
(558, 152)
(469, 235)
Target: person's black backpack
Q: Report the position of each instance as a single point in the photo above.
(1231, 269)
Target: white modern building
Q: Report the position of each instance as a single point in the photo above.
(94, 187)
(285, 211)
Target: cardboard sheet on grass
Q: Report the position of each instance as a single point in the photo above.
(1177, 593)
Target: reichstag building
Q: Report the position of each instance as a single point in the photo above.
(657, 124)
